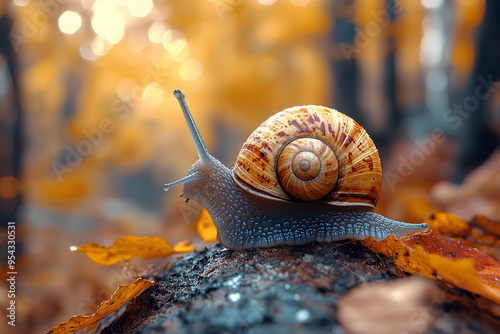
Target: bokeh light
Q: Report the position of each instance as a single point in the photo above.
(191, 70)
(21, 2)
(70, 22)
(140, 8)
(107, 22)
(267, 2)
(156, 32)
(153, 95)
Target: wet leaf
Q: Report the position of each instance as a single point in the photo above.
(131, 247)
(441, 258)
(123, 294)
(206, 227)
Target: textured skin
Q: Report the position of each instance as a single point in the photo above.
(245, 220)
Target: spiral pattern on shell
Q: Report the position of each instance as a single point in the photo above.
(307, 169)
(358, 174)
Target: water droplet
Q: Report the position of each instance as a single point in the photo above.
(166, 187)
(302, 316)
(287, 286)
(234, 297)
(232, 281)
(296, 296)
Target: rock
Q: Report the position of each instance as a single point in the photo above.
(275, 290)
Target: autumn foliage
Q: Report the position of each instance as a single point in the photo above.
(101, 133)
(122, 295)
(447, 259)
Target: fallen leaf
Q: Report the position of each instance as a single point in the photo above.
(441, 258)
(478, 193)
(492, 228)
(131, 247)
(206, 227)
(123, 294)
(448, 223)
(390, 307)
(183, 247)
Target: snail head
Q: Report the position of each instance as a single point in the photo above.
(201, 168)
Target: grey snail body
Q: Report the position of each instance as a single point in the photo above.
(247, 217)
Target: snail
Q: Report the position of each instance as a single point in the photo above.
(307, 174)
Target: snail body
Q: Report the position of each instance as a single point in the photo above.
(306, 174)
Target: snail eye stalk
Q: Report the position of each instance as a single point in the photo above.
(186, 179)
(195, 134)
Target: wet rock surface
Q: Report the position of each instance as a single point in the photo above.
(276, 290)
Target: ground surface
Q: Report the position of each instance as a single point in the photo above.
(276, 290)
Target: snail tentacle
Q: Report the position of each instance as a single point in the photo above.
(193, 129)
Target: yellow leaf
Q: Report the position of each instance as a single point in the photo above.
(130, 247)
(438, 257)
(123, 294)
(448, 223)
(206, 227)
(183, 247)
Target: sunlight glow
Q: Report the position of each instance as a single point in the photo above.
(86, 51)
(161, 59)
(70, 22)
(156, 32)
(190, 70)
(21, 2)
(140, 8)
(267, 2)
(107, 22)
(432, 4)
(100, 46)
(153, 95)
(174, 42)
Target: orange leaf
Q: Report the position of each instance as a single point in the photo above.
(448, 223)
(487, 225)
(123, 294)
(183, 247)
(206, 227)
(438, 257)
(130, 247)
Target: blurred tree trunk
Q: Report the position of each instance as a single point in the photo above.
(10, 125)
(477, 139)
(393, 120)
(345, 64)
(346, 72)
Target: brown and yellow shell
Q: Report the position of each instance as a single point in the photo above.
(311, 153)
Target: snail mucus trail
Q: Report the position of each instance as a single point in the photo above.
(246, 217)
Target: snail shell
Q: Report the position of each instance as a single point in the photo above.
(311, 153)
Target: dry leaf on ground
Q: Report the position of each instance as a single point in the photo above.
(123, 294)
(439, 257)
(131, 247)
